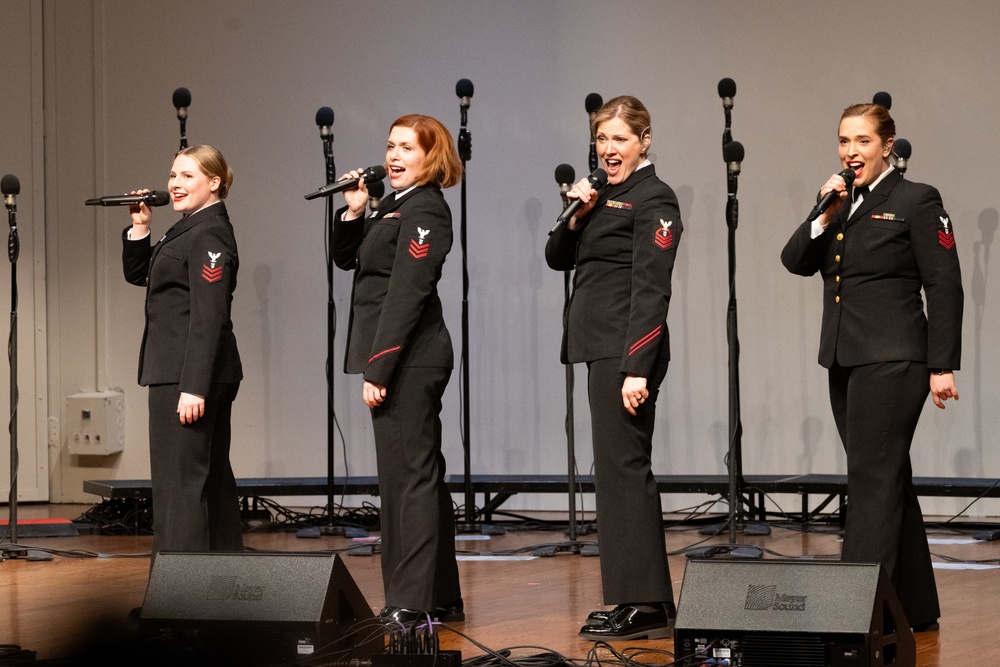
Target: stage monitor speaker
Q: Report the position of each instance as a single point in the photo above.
(258, 608)
(782, 613)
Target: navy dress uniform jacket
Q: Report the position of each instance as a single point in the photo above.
(190, 276)
(874, 265)
(397, 255)
(623, 251)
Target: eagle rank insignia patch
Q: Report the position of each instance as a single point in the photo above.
(664, 237)
(212, 271)
(946, 237)
(419, 247)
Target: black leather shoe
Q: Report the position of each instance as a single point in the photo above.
(453, 612)
(404, 616)
(600, 616)
(628, 622)
(932, 626)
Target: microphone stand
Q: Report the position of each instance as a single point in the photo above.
(331, 332)
(570, 435)
(465, 152)
(13, 249)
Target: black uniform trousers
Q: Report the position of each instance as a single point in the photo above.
(195, 501)
(419, 570)
(876, 407)
(629, 514)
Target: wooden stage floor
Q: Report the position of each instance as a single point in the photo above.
(50, 607)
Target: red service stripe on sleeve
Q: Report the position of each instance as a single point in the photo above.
(385, 352)
(645, 340)
(211, 275)
(419, 251)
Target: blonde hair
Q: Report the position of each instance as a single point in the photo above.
(632, 112)
(212, 164)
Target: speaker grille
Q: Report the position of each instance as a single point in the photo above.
(783, 651)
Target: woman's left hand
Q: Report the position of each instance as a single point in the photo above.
(634, 393)
(190, 408)
(373, 394)
(942, 388)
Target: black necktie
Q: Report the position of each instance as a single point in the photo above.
(859, 191)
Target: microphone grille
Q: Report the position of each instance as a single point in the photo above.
(733, 152)
(593, 102)
(376, 189)
(324, 117)
(159, 198)
(182, 98)
(565, 174)
(848, 176)
(902, 149)
(10, 185)
(727, 88)
(599, 179)
(376, 173)
(464, 88)
(883, 98)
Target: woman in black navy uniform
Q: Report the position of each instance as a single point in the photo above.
(188, 357)
(881, 241)
(623, 242)
(399, 341)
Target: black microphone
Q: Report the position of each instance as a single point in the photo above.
(324, 118)
(464, 89)
(592, 104)
(376, 190)
(727, 91)
(369, 175)
(831, 196)
(903, 151)
(883, 98)
(182, 100)
(598, 180)
(565, 175)
(11, 187)
(733, 154)
(154, 198)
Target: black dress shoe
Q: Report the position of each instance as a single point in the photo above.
(453, 612)
(600, 616)
(404, 616)
(932, 626)
(628, 622)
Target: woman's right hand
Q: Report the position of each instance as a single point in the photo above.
(357, 198)
(836, 183)
(586, 193)
(141, 215)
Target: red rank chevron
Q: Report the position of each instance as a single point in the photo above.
(947, 240)
(419, 250)
(664, 238)
(211, 275)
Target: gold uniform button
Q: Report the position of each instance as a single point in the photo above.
(840, 236)
(837, 298)
(837, 258)
(837, 279)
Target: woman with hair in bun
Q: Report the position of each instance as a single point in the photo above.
(622, 243)
(398, 340)
(188, 356)
(882, 242)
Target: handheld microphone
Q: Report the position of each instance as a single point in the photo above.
(727, 91)
(598, 180)
(376, 190)
(464, 90)
(154, 198)
(11, 187)
(182, 100)
(565, 175)
(369, 175)
(883, 98)
(831, 196)
(903, 150)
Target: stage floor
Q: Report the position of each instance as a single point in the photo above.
(535, 604)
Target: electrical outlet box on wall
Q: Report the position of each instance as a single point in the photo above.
(95, 423)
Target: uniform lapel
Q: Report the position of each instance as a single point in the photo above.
(876, 197)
